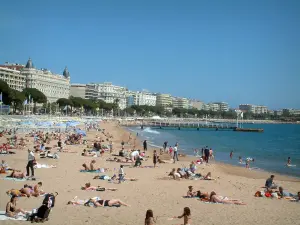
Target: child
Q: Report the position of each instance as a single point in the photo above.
(149, 220)
(154, 158)
(186, 216)
(121, 174)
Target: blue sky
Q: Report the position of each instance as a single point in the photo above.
(235, 51)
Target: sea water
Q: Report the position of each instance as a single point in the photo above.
(269, 149)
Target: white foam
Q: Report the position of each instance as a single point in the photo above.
(149, 130)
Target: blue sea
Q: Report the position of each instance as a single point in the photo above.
(270, 149)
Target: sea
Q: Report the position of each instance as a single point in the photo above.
(270, 149)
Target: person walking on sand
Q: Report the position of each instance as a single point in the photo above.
(30, 163)
(186, 216)
(145, 145)
(175, 149)
(231, 154)
(154, 158)
(121, 174)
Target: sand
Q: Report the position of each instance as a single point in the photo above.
(151, 191)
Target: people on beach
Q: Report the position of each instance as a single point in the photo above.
(121, 174)
(154, 158)
(186, 216)
(17, 174)
(145, 145)
(103, 203)
(88, 187)
(219, 199)
(206, 154)
(191, 192)
(175, 154)
(149, 220)
(165, 145)
(11, 208)
(30, 163)
(270, 183)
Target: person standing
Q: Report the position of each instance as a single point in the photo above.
(175, 149)
(154, 158)
(206, 153)
(165, 146)
(145, 145)
(121, 174)
(231, 154)
(30, 163)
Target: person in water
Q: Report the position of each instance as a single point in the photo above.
(231, 154)
(289, 161)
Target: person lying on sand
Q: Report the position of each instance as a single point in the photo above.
(119, 160)
(88, 187)
(103, 203)
(36, 190)
(208, 177)
(15, 192)
(11, 208)
(16, 174)
(114, 177)
(89, 154)
(219, 199)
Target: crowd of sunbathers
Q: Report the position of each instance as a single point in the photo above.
(27, 191)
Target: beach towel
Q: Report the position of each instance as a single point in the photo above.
(39, 166)
(4, 217)
(14, 179)
(82, 202)
(190, 197)
(92, 171)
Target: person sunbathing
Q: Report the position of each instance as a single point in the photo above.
(208, 177)
(36, 190)
(219, 199)
(88, 187)
(18, 175)
(114, 177)
(92, 165)
(11, 208)
(15, 192)
(85, 167)
(27, 190)
(190, 192)
(174, 174)
(204, 196)
(103, 203)
(89, 154)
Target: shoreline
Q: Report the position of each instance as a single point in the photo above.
(228, 168)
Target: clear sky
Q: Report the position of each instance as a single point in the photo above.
(235, 51)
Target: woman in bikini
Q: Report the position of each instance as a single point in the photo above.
(219, 199)
(11, 208)
(103, 203)
(149, 220)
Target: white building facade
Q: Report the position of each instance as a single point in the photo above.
(107, 92)
(144, 98)
(54, 86)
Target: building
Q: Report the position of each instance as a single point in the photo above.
(144, 98)
(196, 104)
(182, 103)
(13, 77)
(164, 100)
(54, 86)
(294, 112)
(214, 107)
(255, 109)
(107, 92)
(222, 106)
(78, 90)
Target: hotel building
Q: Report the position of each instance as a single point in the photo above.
(255, 109)
(164, 100)
(107, 92)
(78, 90)
(182, 103)
(144, 98)
(54, 86)
(196, 104)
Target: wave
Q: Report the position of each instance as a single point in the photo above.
(149, 130)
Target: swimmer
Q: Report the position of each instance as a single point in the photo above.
(289, 161)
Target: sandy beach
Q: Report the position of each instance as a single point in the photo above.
(152, 190)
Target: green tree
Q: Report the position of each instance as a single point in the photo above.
(5, 90)
(17, 99)
(36, 95)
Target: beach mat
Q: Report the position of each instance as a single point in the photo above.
(17, 179)
(90, 171)
(4, 217)
(191, 197)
